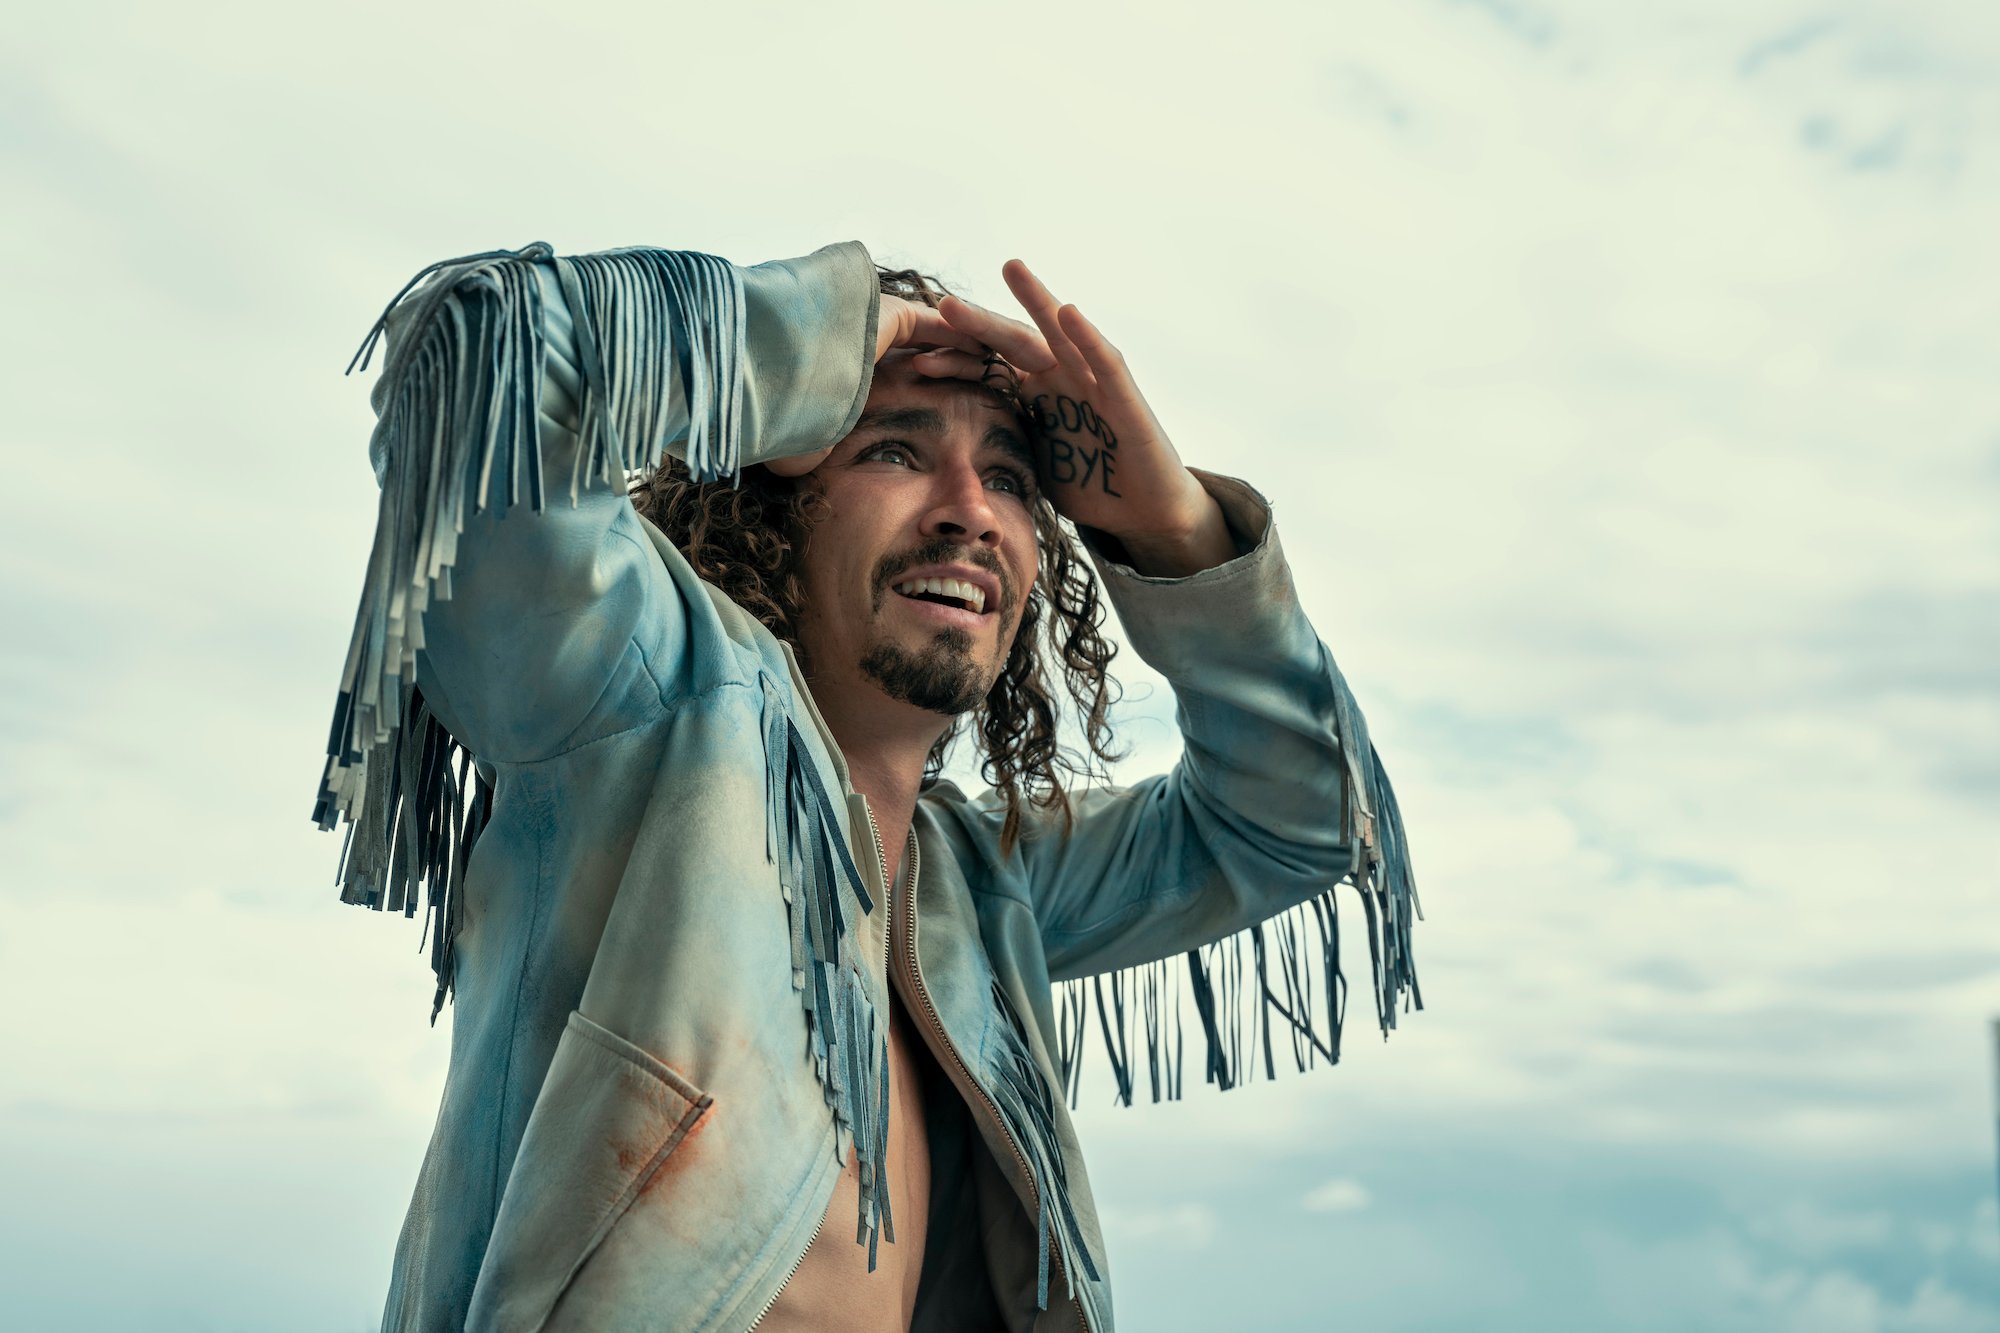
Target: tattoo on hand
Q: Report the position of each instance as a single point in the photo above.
(1072, 462)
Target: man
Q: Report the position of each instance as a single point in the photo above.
(727, 962)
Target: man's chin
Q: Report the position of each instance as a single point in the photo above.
(942, 676)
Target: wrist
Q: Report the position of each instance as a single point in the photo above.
(1200, 541)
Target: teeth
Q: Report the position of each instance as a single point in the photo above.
(969, 593)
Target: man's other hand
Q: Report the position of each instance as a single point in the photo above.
(901, 323)
(1105, 461)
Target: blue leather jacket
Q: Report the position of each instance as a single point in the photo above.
(657, 898)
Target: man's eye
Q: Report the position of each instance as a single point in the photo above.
(1011, 482)
(893, 453)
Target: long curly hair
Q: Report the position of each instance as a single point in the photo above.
(747, 539)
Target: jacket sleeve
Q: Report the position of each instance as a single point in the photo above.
(1278, 797)
(509, 606)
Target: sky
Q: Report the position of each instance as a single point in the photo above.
(1622, 376)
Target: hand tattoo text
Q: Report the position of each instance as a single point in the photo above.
(1072, 462)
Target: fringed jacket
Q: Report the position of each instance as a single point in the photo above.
(655, 896)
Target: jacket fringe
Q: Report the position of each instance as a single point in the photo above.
(1299, 995)
(1028, 1107)
(848, 1038)
(457, 433)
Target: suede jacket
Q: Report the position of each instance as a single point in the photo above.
(654, 895)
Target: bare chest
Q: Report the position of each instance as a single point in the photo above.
(833, 1291)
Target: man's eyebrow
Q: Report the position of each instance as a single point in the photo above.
(1012, 443)
(930, 421)
(924, 420)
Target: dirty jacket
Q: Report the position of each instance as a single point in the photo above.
(656, 898)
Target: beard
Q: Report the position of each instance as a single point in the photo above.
(942, 677)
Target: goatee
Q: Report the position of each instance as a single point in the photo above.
(941, 678)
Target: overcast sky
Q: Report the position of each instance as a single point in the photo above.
(1624, 378)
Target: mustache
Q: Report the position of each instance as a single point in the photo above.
(940, 551)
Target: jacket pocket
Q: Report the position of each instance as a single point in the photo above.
(609, 1115)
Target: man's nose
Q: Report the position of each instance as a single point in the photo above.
(962, 508)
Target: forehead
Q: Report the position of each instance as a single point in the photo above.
(908, 403)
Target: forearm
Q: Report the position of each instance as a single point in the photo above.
(792, 353)
(534, 383)
(640, 353)
(1265, 806)
(1203, 543)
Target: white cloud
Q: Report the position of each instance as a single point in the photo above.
(1182, 1226)
(1337, 1196)
(1622, 375)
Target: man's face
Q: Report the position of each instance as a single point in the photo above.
(915, 579)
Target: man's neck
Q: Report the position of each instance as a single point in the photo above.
(885, 744)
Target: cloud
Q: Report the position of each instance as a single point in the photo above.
(1621, 376)
(1184, 1226)
(1785, 45)
(1337, 1196)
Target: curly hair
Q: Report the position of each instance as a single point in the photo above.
(747, 538)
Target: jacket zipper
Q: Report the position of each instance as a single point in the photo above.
(914, 854)
(915, 977)
(888, 887)
(797, 1264)
(881, 860)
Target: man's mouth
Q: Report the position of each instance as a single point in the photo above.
(945, 592)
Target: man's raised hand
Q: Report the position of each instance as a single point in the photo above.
(899, 323)
(1105, 461)
(904, 323)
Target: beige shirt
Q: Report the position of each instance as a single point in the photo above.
(833, 1291)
